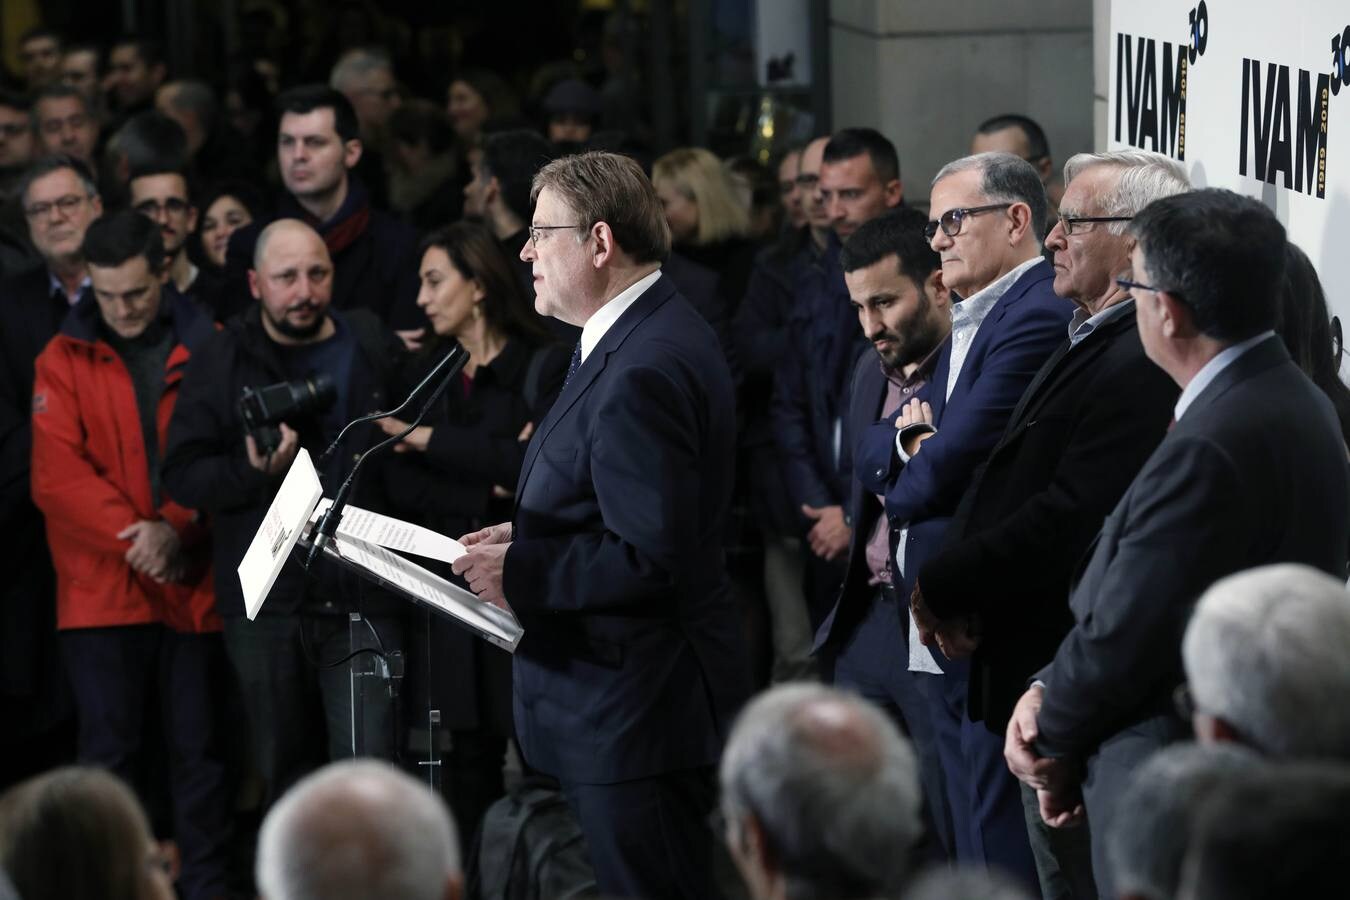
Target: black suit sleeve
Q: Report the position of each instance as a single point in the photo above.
(1031, 553)
(1183, 523)
(645, 471)
(205, 464)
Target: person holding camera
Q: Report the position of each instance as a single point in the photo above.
(138, 632)
(283, 375)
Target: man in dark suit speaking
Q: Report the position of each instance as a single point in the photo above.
(1253, 472)
(631, 667)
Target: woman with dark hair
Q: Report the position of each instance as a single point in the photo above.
(476, 97)
(457, 473)
(80, 834)
(1311, 334)
(225, 208)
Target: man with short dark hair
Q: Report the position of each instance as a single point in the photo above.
(631, 664)
(16, 152)
(135, 609)
(136, 69)
(859, 179)
(300, 714)
(499, 190)
(821, 797)
(894, 280)
(82, 69)
(65, 123)
(987, 213)
(163, 197)
(1021, 136)
(40, 56)
(374, 254)
(1253, 472)
(16, 139)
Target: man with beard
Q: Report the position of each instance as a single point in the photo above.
(895, 284)
(300, 713)
(163, 197)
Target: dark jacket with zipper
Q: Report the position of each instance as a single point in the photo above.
(206, 465)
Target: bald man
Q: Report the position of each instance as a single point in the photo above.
(406, 836)
(300, 714)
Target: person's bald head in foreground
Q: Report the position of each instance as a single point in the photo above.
(355, 830)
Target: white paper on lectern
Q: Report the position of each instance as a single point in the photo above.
(280, 529)
(393, 534)
(497, 625)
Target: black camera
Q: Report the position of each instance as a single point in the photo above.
(263, 409)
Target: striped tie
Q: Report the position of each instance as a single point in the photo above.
(573, 365)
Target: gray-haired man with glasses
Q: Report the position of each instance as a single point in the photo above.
(1252, 472)
(59, 201)
(988, 215)
(1085, 425)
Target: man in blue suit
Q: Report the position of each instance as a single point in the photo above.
(631, 666)
(989, 213)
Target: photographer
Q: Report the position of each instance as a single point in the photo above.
(292, 691)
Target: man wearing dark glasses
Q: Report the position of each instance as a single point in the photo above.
(1253, 472)
(1092, 415)
(987, 213)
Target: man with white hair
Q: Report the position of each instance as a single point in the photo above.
(802, 755)
(1254, 472)
(358, 829)
(1266, 663)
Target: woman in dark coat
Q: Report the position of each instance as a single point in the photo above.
(457, 473)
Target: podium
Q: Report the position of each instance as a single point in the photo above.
(365, 544)
(371, 547)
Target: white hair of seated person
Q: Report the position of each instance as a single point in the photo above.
(821, 795)
(1150, 831)
(358, 829)
(1267, 657)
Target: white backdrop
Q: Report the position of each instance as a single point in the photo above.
(1261, 106)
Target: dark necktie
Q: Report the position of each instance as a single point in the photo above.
(573, 365)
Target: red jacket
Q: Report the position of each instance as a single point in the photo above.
(91, 478)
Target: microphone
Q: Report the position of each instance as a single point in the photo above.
(453, 360)
(327, 526)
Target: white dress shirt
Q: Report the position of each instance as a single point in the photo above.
(604, 317)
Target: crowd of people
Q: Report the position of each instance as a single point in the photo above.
(1026, 517)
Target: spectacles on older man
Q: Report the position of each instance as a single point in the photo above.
(535, 229)
(950, 222)
(1073, 224)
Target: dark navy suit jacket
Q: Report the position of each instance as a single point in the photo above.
(1016, 337)
(631, 664)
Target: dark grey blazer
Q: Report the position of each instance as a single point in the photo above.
(1254, 473)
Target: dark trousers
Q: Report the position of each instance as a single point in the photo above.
(1063, 855)
(985, 798)
(119, 676)
(873, 664)
(299, 706)
(1110, 770)
(649, 838)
